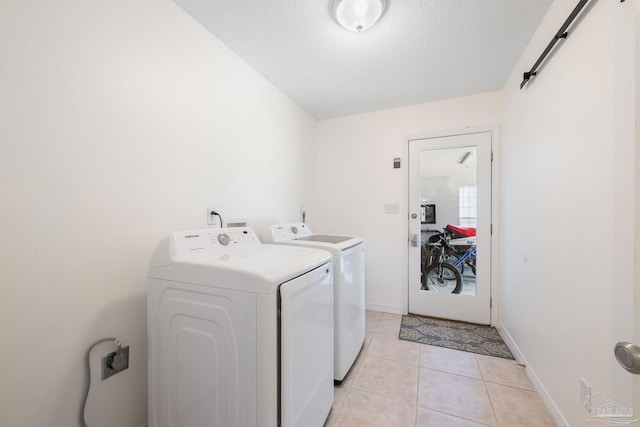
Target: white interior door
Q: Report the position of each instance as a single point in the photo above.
(450, 183)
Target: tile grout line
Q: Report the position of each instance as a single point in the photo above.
(486, 389)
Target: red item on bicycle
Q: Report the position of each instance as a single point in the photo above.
(459, 232)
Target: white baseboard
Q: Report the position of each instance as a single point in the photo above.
(542, 392)
(385, 308)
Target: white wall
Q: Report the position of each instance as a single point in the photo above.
(567, 177)
(356, 178)
(120, 122)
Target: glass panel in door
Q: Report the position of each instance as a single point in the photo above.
(449, 257)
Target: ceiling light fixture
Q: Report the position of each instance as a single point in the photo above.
(358, 15)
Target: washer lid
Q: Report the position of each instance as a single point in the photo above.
(327, 238)
(299, 234)
(231, 258)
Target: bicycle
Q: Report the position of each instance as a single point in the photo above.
(460, 254)
(437, 274)
(467, 258)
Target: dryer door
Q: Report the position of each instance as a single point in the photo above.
(306, 361)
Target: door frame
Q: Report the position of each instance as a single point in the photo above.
(496, 251)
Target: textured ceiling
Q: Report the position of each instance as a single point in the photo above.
(419, 51)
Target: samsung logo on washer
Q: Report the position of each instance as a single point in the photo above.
(191, 236)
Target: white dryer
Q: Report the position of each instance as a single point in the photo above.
(240, 334)
(348, 286)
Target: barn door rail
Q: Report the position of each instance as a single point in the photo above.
(561, 34)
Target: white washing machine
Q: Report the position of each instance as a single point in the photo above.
(348, 282)
(239, 333)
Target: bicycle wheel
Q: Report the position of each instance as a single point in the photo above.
(443, 278)
(471, 263)
(452, 259)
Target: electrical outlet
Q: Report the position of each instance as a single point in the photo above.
(213, 219)
(113, 362)
(585, 393)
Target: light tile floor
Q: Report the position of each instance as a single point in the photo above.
(396, 383)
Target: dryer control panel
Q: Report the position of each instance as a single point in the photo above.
(284, 232)
(216, 240)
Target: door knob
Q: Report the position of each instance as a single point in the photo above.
(628, 355)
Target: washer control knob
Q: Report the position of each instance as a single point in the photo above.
(223, 239)
(294, 229)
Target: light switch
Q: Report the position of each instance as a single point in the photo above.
(392, 208)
